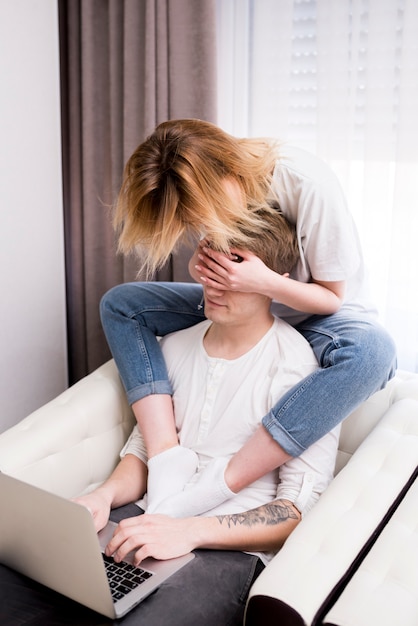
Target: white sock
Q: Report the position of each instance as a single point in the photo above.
(208, 491)
(168, 473)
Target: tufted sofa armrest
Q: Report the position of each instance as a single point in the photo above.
(383, 590)
(71, 444)
(299, 583)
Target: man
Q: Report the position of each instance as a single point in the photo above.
(226, 373)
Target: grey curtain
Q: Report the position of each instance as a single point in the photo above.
(126, 65)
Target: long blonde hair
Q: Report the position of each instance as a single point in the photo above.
(173, 188)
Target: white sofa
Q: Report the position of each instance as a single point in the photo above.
(328, 569)
(71, 445)
(353, 561)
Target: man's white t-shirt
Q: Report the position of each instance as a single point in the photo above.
(219, 403)
(310, 196)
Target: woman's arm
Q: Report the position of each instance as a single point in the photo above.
(262, 529)
(252, 275)
(317, 297)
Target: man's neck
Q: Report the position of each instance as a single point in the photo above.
(230, 342)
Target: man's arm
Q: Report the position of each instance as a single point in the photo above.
(262, 529)
(126, 484)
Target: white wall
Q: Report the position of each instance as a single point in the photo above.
(33, 364)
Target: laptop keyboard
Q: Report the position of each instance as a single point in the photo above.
(123, 577)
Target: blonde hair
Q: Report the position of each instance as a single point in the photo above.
(173, 188)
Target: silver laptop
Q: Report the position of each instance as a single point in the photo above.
(53, 541)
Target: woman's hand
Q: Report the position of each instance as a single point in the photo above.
(158, 536)
(239, 271)
(222, 272)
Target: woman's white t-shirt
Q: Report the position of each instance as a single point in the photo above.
(310, 196)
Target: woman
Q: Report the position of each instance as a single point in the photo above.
(191, 179)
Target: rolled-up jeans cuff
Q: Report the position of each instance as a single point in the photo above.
(149, 389)
(281, 436)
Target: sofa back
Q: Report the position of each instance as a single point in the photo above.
(72, 444)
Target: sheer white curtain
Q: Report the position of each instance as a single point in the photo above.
(339, 78)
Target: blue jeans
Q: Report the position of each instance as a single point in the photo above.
(356, 357)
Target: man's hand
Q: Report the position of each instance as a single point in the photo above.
(158, 536)
(99, 507)
(263, 528)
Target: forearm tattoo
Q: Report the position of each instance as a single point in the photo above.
(275, 512)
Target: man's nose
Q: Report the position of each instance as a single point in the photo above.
(212, 292)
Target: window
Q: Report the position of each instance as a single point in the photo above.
(339, 79)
